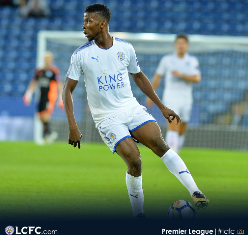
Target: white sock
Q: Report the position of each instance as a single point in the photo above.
(135, 192)
(172, 139)
(177, 167)
(180, 142)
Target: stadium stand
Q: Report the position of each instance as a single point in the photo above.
(19, 40)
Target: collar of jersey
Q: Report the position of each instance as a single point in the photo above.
(185, 56)
(106, 48)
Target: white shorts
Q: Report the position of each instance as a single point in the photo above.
(183, 109)
(117, 128)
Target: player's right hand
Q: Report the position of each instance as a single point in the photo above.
(170, 115)
(27, 98)
(75, 138)
(149, 103)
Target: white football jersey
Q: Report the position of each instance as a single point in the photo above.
(105, 73)
(178, 88)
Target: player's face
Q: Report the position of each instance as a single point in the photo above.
(92, 25)
(48, 60)
(181, 46)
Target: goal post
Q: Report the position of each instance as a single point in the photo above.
(220, 110)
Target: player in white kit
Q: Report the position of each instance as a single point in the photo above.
(105, 62)
(181, 70)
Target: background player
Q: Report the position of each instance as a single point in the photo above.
(181, 70)
(50, 84)
(105, 62)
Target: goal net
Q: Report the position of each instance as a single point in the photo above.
(220, 110)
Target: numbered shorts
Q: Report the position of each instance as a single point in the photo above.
(117, 128)
(181, 108)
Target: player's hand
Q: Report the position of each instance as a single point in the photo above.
(61, 104)
(170, 115)
(149, 103)
(27, 98)
(176, 74)
(75, 138)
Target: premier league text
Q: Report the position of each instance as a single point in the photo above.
(199, 232)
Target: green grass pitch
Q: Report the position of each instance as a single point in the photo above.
(56, 179)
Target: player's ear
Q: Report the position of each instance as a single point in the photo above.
(103, 24)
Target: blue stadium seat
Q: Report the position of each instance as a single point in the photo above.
(19, 41)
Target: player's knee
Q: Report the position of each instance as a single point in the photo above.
(135, 166)
(159, 147)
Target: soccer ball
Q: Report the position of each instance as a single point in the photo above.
(181, 210)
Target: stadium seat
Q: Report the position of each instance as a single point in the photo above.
(194, 17)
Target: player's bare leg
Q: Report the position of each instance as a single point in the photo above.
(48, 136)
(129, 152)
(150, 135)
(181, 138)
(172, 135)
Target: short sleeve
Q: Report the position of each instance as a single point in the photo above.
(75, 71)
(195, 67)
(57, 73)
(37, 73)
(133, 66)
(162, 66)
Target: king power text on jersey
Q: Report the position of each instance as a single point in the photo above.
(109, 82)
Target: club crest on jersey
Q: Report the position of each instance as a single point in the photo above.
(121, 56)
(112, 137)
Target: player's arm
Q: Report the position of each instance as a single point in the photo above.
(194, 78)
(74, 134)
(60, 90)
(29, 92)
(155, 83)
(146, 87)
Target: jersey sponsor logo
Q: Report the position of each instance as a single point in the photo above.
(110, 82)
(121, 56)
(48, 73)
(137, 62)
(44, 82)
(93, 58)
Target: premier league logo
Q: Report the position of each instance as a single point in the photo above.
(121, 56)
(9, 230)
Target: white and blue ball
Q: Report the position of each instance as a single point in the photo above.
(181, 210)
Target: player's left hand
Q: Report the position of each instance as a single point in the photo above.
(61, 104)
(75, 138)
(176, 74)
(170, 115)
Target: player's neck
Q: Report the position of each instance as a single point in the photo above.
(47, 66)
(104, 40)
(181, 55)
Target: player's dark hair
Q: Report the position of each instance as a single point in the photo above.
(184, 36)
(101, 10)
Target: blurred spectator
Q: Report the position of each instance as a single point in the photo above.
(36, 8)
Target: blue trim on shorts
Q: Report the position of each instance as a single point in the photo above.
(142, 124)
(120, 141)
